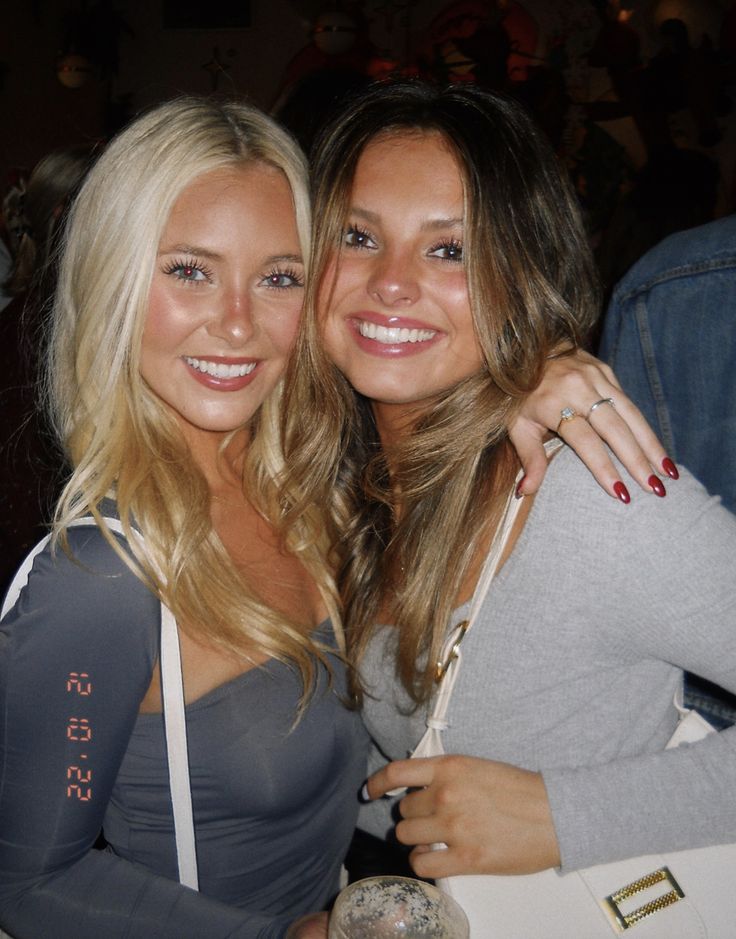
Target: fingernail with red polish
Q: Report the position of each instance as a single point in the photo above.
(669, 467)
(622, 492)
(657, 486)
(519, 494)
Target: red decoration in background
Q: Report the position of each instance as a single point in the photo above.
(523, 31)
(472, 41)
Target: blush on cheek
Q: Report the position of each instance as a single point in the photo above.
(283, 330)
(171, 315)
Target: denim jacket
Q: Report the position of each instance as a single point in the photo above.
(670, 336)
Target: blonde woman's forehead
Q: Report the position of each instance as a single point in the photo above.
(250, 206)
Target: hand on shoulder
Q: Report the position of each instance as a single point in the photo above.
(601, 416)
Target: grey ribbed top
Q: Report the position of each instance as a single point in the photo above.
(274, 804)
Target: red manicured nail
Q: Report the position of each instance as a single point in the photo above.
(622, 492)
(669, 467)
(657, 486)
(519, 494)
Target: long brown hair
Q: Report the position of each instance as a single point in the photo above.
(532, 290)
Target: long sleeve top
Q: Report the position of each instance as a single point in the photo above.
(274, 805)
(573, 663)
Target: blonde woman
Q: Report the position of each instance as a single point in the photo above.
(180, 291)
(450, 262)
(179, 296)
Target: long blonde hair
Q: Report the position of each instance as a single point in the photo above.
(120, 438)
(532, 289)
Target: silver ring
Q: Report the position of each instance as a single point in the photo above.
(566, 414)
(597, 404)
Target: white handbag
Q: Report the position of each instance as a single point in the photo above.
(685, 895)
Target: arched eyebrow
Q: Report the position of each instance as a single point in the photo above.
(433, 224)
(210, 255)
(288, 258)
(191, 249)
(439, 223)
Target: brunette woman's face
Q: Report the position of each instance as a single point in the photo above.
(225, 298)
(398, 322)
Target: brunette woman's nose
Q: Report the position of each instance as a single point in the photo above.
(392, 281)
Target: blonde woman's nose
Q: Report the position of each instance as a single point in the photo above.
(234, 319)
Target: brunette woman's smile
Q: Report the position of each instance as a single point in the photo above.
(392, 335)
(398, 321)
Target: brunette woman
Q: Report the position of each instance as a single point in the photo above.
(451, 262)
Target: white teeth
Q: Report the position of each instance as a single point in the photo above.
(220, 369)
(390, 335)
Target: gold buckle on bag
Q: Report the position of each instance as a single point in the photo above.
(627, 920)
(441, 667)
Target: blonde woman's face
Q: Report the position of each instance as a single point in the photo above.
(225, 298)
(398, 321)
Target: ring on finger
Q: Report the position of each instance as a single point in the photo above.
(598, 404)
(566, 414)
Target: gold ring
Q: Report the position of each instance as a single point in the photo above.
(566, 414)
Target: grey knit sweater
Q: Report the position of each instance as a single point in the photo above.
(573, 663)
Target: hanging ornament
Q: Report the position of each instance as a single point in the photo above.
(217, 69)
(335, 32)
(73, 70)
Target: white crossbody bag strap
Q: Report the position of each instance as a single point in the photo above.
(174, 716)
(431, 742)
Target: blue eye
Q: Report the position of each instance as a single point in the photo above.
(355, 237)
(282, 280)
(190, 272)
(447, 251)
